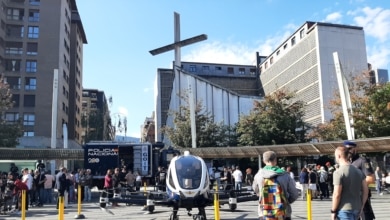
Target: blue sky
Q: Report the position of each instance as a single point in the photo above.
(121, 33)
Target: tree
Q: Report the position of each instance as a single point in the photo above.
(94, 126)
(208, 133)
(276, 120)
(370, 112)
(9, 131)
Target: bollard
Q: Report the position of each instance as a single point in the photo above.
(216, 204)
(308, 203)
(79, 215)
(150, 205)
(116, 195)
(61, 208)
(23, 205)
(103, 200)
(232, 200)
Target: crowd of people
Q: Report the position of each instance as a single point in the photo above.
(42, 187)
(328, 181)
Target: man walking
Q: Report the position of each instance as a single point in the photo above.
(363, 164)
(237, 175)
(272, 171)
(348, 181)
(378, 181)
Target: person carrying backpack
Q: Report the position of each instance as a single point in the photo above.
(275, 188)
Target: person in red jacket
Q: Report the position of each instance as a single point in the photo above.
(19, 186)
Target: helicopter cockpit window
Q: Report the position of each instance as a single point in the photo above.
(189, 172)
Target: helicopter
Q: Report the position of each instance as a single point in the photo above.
(187, 186)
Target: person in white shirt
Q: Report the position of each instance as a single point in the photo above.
(28, 180)
(237, 174)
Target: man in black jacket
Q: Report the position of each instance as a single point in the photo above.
(363, 164)
(61, 184)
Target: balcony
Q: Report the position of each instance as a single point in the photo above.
(15, 2)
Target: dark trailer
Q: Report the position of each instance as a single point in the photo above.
(143, 158)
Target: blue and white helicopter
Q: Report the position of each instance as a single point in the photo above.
(188, 186)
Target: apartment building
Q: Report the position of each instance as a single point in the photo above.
(36, 38)
(303, 63)
(95, 117)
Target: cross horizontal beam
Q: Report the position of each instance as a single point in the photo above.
(182, 43)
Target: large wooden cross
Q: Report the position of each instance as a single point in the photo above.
(176, 46)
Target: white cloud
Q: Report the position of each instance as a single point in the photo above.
(123, 111)
(135, 134)
(379, 57)
(376, 22)
(334, 17)
(217, 52)
(148, 90)
(237, 53)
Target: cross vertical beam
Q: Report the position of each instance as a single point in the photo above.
(176, 46)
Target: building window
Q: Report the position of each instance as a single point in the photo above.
(12, 65)
(33, 15)
(15, 99)
(28, 133)
(31, 66)
(32, 49)
(206, 69)
(218, 68)
(302, 33)
(285, 46)
(30, 83)
(33, 32)
(192, 68)
(11, 117)
(230, 70)
(13, 82)
(15, 14)
(28, 119)
(14, 48)
(293, 41)
(85, 94)
(277, 53)
(265, 65)
(241, 71)
(35, 2)
(252, 71)
(29, 101)
(15, 31)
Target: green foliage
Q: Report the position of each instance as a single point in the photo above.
(370, 113)
(94, 125)
(9, 131)
(208, 133)
(276, 120)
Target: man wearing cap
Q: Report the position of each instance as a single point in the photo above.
(363, 164)
(271, 170)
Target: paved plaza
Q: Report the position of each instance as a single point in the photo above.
(245, 210)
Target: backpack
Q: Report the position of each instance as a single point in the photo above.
(272, 199)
